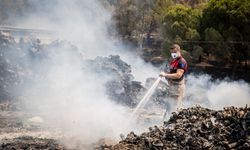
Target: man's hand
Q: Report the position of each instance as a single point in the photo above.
(162, 74)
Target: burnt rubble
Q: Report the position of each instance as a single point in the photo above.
(7, 75)
(14, 66)
(20, 62)
(160, 93)
(195, 128)
(120, 85)
(30, 143)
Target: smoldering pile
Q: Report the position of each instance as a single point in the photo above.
(195, 128)
(21, 62)
(7, 75)
(122, 88)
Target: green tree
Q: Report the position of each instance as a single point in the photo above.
(215, 44)
(197, 52)
(135, 19)
(230, 19)
(125, 17)
(225, 14)
(180, 24)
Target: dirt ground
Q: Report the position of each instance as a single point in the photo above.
(19, 131)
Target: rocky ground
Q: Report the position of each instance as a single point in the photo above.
(30, 143)
(195, 128)
(190, 128)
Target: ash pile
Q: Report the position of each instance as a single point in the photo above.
(14, 66)
(120, 85)
(195, 128)
(8, 76)
(20, 62)
(122, 88)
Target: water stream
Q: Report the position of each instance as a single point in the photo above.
(145, 99)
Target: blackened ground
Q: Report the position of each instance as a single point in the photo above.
(195, 128)
(30, 143)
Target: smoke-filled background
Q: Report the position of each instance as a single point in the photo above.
(66, 90)
(62, 88)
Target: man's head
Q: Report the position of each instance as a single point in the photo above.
(175, 51)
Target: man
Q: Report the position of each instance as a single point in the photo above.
(175, 76)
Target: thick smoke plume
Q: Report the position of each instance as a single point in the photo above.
(216, 94)
(63, 89)
(71, 97)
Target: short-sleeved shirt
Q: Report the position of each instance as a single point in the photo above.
(178, 63)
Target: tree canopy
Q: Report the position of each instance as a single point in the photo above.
(217, 27)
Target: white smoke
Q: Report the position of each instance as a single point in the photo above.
(202, 90)
(85, 23)
(74, 99)
(65, 95)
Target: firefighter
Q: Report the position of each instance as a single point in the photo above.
(175, 77)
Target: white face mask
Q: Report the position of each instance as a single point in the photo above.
(174, 55)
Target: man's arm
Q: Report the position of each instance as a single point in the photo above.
(176, 75)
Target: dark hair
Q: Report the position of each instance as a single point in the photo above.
(176, 46)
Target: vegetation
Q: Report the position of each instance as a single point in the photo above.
(215, 28)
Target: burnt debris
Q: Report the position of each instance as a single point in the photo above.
(30, 143)
(195, 128)
(120, 85)
(21, 61)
